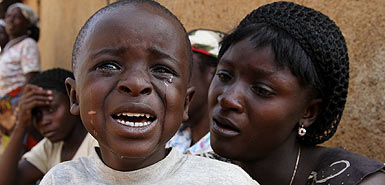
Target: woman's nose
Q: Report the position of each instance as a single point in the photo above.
(231, 99)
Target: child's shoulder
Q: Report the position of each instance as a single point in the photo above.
(206, 170)
(70, 172)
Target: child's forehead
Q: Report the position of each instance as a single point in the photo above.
(141, 29)
(137, 24)
(138, 13)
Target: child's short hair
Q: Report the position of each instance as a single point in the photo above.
(312, 47)
(52, 79)
(81, 37)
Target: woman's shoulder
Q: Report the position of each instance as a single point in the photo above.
(337, 165)
(375, 178)
(28, 42)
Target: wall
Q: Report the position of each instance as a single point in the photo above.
(362, 129)
(60, 21)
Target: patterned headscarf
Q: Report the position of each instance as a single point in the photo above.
(206, 41)
(27, 12)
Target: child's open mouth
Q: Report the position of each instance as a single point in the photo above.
(134, 119)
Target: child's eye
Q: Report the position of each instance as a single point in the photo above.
(107, 67)
(223, 76)
(51, 109)
(37, 114)
(162, 71)
(261, 91)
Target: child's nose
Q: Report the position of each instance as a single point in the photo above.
(230, 99)
(135, 84)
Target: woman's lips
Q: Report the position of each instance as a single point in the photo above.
(224, 127)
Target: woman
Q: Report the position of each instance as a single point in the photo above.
(280, 89)
(19, 60)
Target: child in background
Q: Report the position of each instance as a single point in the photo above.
(193, 137)
(44, 105)
(280, 89)
(132, 63)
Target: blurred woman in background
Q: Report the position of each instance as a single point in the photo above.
(19, 59)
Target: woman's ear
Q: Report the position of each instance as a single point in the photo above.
(187, 101)
(70, 84)
(311, 112)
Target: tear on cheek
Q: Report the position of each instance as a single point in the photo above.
(95, 133)
(168, 81)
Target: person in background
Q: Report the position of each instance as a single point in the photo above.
(280, 89)
(19, 59)
(193, 137)
(3, 35)
(44, 105)
(3, 41)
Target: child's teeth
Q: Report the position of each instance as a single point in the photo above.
(129, 123)
(134, 115)
(133, 124)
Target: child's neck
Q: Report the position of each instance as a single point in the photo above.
(120, 163)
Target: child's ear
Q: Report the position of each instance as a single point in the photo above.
(311, 112)
(70, 84)
(187, 101)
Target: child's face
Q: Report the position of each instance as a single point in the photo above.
(255, 105)
(54, 121)
(131, 86)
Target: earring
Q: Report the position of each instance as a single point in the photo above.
(301, 131)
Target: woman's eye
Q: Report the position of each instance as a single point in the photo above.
(260, 91)
(223, 77)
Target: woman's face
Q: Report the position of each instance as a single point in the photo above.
(254, 104)
(16, 24)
